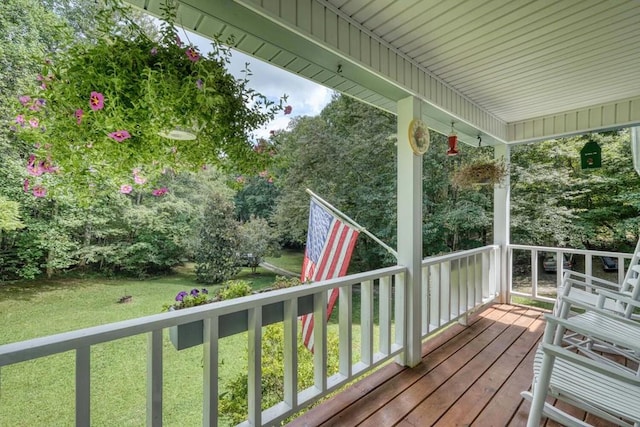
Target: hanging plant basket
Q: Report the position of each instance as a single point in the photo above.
(481, 173)
(122, 111)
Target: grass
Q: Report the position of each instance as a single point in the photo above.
(40, 308)
(289, 260)
(118, 369)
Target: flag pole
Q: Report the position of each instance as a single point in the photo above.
(352, 222)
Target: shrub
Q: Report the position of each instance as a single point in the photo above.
(233, 401)
(235, 289)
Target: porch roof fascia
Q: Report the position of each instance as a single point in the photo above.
(316, 40)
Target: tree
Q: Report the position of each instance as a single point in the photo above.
(216, 254)
(556, 203)
(255, 198)
(257, 240)
(345, 155)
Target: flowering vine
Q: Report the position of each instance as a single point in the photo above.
(105, 108)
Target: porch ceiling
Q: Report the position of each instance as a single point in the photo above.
(510, 70)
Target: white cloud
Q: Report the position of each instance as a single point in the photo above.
(305, 97)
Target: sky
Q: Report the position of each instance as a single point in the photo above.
(305, 97)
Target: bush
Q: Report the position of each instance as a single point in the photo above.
(233, 401)
(216, 250)
(235, 289)
(282, 282)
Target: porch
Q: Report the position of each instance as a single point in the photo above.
(467, 374)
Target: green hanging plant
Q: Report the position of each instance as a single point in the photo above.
(487, 172)
(123, 110)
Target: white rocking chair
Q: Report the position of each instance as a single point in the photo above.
(585, 288)
(603, 389)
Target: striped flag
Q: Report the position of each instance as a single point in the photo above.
(330, 243)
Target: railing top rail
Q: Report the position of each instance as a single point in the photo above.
(52, 344)
(572, 251)
(457, 255)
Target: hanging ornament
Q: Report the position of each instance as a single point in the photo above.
(453, 143)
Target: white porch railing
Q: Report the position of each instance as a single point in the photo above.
(244, 314)
(453, 286)
(528, 279)
(456, 284)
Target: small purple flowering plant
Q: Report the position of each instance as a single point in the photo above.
(192, 298)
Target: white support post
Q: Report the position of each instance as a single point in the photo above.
(502, 220)
(384, 300)
(320, 341)
(345, 303)
(254, 322)
(154, 378)
(210, 372)
(435, 286)
(291, 353)
(366, 322)
(83, 386)
(424, 297)
(410, 229)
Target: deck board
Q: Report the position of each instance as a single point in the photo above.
(469, 376)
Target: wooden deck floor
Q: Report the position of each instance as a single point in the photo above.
(469, 376)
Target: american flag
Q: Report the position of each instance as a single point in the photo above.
(330, 243)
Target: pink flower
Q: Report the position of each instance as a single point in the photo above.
(160, 191)
(139, 179)
(39, 191)
(240, 179)
(25, 185)
(48, 167)
(33, 168)
(96, 101)
(154, 51)
(20, 120)
(120, 135)
(126, 189)
(287, 109)
(199, 84)
(263, 174)
(79, 113)
(192, 54)
(34, 122)
(24, 100)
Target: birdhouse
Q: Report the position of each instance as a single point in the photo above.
(591, 155)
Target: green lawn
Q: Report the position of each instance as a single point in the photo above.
(289, 260)
(40, 308)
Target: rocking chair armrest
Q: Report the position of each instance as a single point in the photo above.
(623, 297)
(596, 282)
(619, 330)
